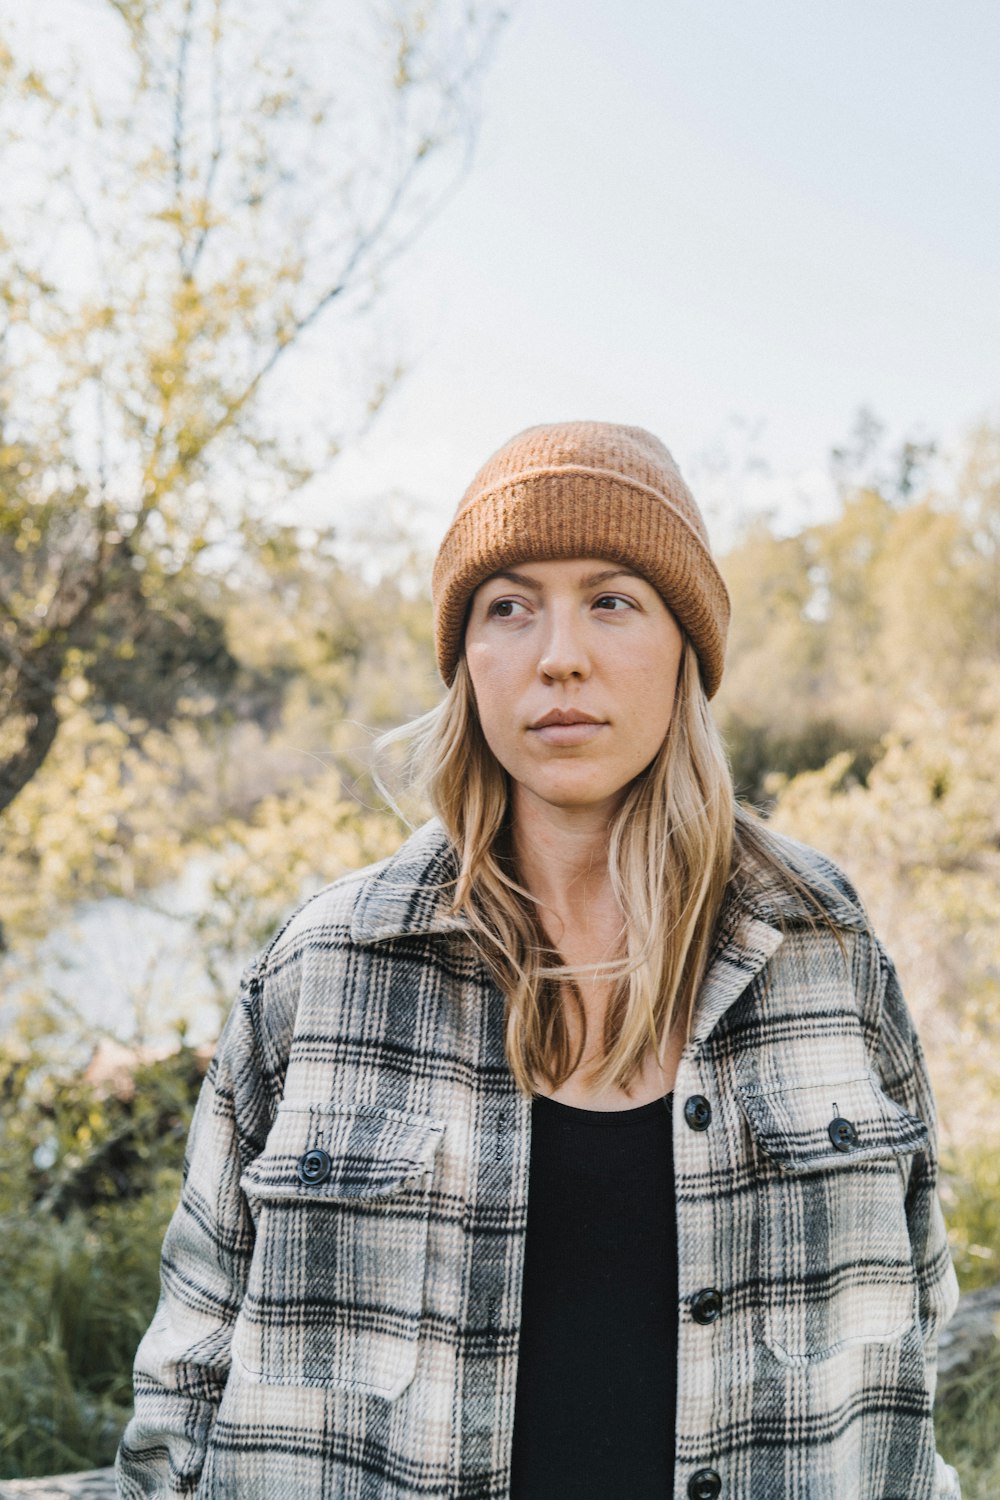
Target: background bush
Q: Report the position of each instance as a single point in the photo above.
(91, 1180)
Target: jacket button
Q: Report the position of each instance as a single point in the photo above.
(843, 1134)
(697, 1112)
(706, 1305)
(705, 1485)
(314, 1167)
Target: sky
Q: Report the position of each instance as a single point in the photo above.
(734, 225)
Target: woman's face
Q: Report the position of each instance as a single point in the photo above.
(574, 665)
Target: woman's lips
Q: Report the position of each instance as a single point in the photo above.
(568, 734)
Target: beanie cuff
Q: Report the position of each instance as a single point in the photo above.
(575, 511)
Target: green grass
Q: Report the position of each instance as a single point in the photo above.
(970, 1193)
(87, 1186)
(967, 1413)
(75, 1298)
(967, 1419)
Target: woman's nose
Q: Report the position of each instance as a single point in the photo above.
(564, 652)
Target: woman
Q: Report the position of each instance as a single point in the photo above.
(584, 1148)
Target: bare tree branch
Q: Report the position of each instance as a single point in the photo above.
(180, 105)
(217, 148)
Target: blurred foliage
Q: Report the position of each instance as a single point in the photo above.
(319, 837)
(839, 629)
(90, 1179)
(970, 1194)
(323, 659)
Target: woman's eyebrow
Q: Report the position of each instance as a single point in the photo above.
(521, 579)
(605, 575)
(593, 580)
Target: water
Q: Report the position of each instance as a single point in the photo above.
(132, 970)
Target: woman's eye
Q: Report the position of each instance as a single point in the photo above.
(610, 601)
(503, 609)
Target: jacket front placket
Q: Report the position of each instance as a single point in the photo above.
(705, 1164)
(490, 1317)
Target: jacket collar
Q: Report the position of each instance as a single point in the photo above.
(408, 895)
(743, 945)
(756, 915)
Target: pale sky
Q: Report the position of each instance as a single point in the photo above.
(733, 224)
(681, 213)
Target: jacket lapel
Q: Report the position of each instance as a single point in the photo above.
(755, 916)
(410, 893)
(746, 944)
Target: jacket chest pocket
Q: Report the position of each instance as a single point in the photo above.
(835, 1262)
(335, 1292)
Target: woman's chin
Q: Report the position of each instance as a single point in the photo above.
(568, 797)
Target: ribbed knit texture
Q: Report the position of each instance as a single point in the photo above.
(583, 489)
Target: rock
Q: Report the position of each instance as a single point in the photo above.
(972, 1332)
(96, 1484)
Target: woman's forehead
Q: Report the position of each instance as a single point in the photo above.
(585, 572)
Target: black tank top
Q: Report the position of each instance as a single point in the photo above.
(597, 1365)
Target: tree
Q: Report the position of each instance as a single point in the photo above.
(192, 189)
(840, 627)
(329, 653)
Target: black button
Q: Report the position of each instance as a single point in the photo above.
(698, 1112)
(706, 1305)
(705, 1485)
(314, 1167)
(843, 1134)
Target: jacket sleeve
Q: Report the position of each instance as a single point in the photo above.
(182, 1363)
(904, 1075)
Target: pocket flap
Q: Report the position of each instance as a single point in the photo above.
(358, 1151)
(794, 1126)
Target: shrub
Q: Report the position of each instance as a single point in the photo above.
(88, 1188)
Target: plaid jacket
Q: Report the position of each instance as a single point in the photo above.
(341, 1280)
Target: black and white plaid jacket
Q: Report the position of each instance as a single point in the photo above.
(341, 1280)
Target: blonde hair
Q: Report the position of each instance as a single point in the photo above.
(673, 846)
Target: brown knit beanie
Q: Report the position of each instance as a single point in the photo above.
(583, 489)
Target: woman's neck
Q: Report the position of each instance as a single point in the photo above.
(562, 859)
